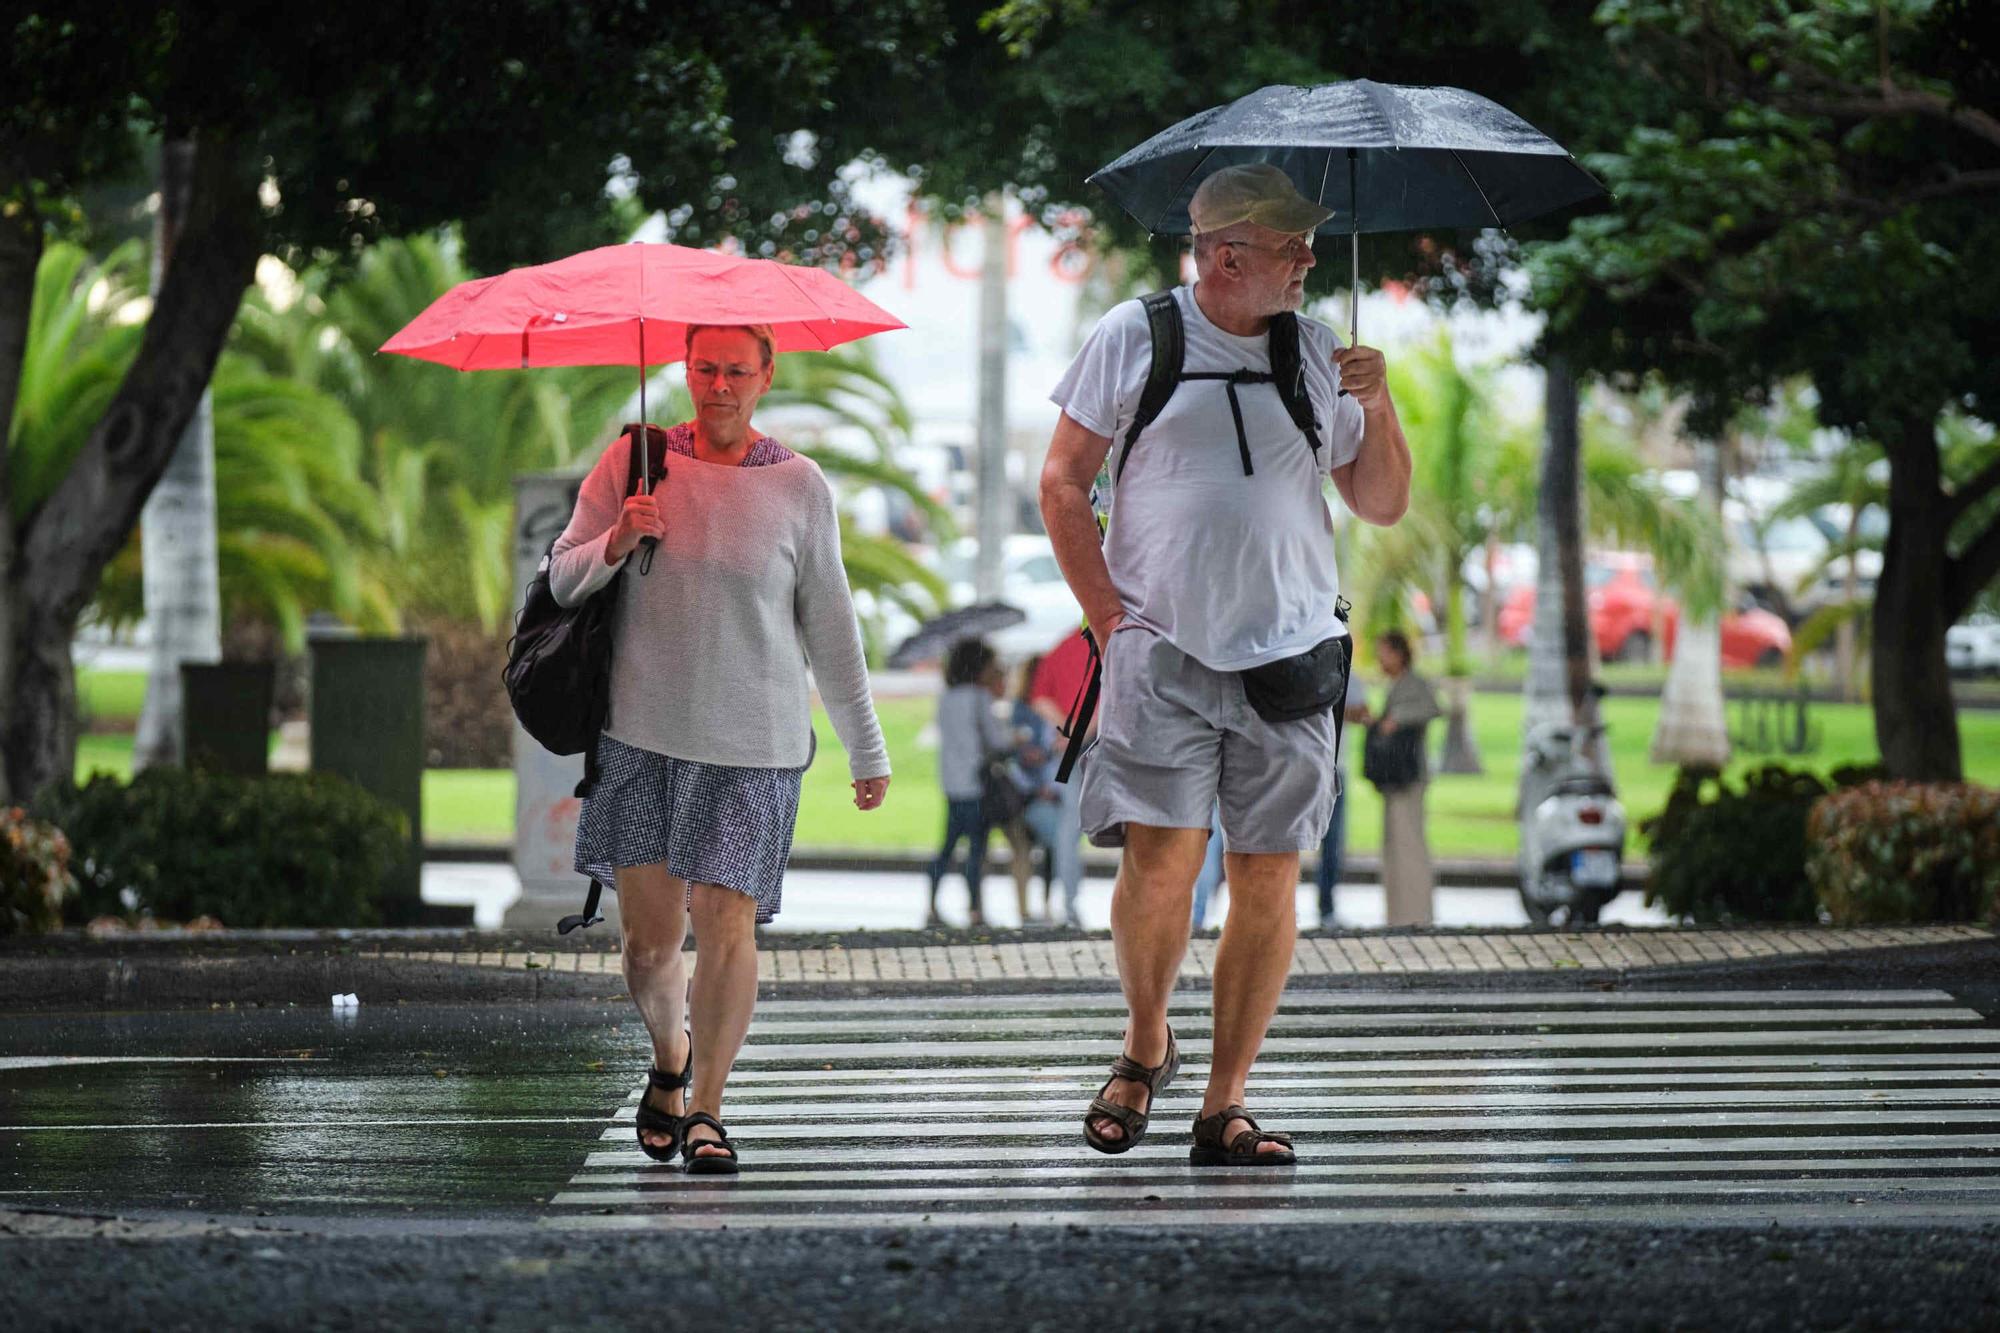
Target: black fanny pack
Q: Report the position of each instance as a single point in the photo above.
(1303, 686)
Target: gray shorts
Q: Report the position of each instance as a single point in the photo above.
(1175, 736)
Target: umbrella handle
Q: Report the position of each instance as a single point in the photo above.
(1354, 255)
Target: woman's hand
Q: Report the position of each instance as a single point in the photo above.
(1387, 726)
(868, 792)
(639, 519)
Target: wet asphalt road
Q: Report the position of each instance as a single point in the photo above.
(427, 1111)
(294, 1169)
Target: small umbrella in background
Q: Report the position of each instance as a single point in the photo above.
(1384, 157)
(935, 636)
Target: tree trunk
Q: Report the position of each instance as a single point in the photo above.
(1693, 729)
(1916, 723)
(1847, 637)
(1559, 659)
(995, 505)
(20, 254)
(62, 549)
(183, 597)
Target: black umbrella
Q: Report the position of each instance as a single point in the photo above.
(1382, 156)
(939, 633)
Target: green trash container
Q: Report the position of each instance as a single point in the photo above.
(367, 717)
(226, 716)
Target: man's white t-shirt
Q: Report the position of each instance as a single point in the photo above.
(1234, 571)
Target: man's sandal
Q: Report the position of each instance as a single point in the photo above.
(707, 1164)
(1130, 1119)
(651, 1121)
(1210, 1150)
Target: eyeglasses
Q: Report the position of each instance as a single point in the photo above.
(736, 377)
(1294, 249)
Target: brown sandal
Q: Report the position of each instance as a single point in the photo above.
(1130, 1119)
(1210, 1150)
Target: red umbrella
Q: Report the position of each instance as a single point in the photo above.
(628, 305)
(631, 305)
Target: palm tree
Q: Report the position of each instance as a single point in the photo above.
(79, 344)
(295, 519)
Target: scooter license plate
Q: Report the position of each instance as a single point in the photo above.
(1594, 868)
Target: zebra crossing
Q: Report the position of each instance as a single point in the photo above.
(1658, 1106)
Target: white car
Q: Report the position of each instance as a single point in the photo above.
(1973, 648)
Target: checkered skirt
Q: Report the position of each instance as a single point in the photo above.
(710, 823)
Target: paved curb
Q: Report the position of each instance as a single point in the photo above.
(299, 968)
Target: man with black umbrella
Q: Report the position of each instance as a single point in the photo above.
(1215, 598)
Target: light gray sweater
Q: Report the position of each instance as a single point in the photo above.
(710, 650)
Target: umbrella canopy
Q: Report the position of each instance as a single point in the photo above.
(939, 633)
(1382, 156)
(630, 305)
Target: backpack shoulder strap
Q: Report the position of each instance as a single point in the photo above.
(1169, 343)
(1288, 373)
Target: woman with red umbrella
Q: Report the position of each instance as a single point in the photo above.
(710, 728)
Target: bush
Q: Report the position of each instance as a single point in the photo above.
(286, 850)
(35, 880)
(1907, 851)
(1722, 854)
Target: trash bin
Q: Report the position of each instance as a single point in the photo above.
(226, 716)
(367, 717)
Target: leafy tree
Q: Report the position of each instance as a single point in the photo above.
(1819, 204)
(316, 134)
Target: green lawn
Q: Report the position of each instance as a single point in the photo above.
(1469, 815)
(110, 696)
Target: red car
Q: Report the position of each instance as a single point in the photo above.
(1627, 610)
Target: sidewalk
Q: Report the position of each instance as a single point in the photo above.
(170, 969)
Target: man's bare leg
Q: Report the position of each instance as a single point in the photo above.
(725, 991)
(652, 914)
(1251, 964)
(1149, 927)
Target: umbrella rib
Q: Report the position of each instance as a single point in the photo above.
(814, 302)
(1477, 186)
(1200, 162)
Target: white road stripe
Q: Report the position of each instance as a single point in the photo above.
(1982, 1039)
(1748, 1215)
(1275, 1102)
(1166, 1149)
(1226, 1188)
(663, 1176)
(1674, 1066)
(898, 1028)
(1069, 1126)
(1298, 1000)
(920, 1082)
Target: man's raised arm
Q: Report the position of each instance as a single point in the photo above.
(1376, 485)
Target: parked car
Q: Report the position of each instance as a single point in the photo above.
(1973, 648)
(1627, 610)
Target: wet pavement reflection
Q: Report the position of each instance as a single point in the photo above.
(395, 1109)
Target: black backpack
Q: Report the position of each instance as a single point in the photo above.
(1169, 335)
(558, 672)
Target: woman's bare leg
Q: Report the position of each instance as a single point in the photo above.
(652, 911)
(724, 993)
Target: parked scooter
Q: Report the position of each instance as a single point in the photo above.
(1572, 828)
